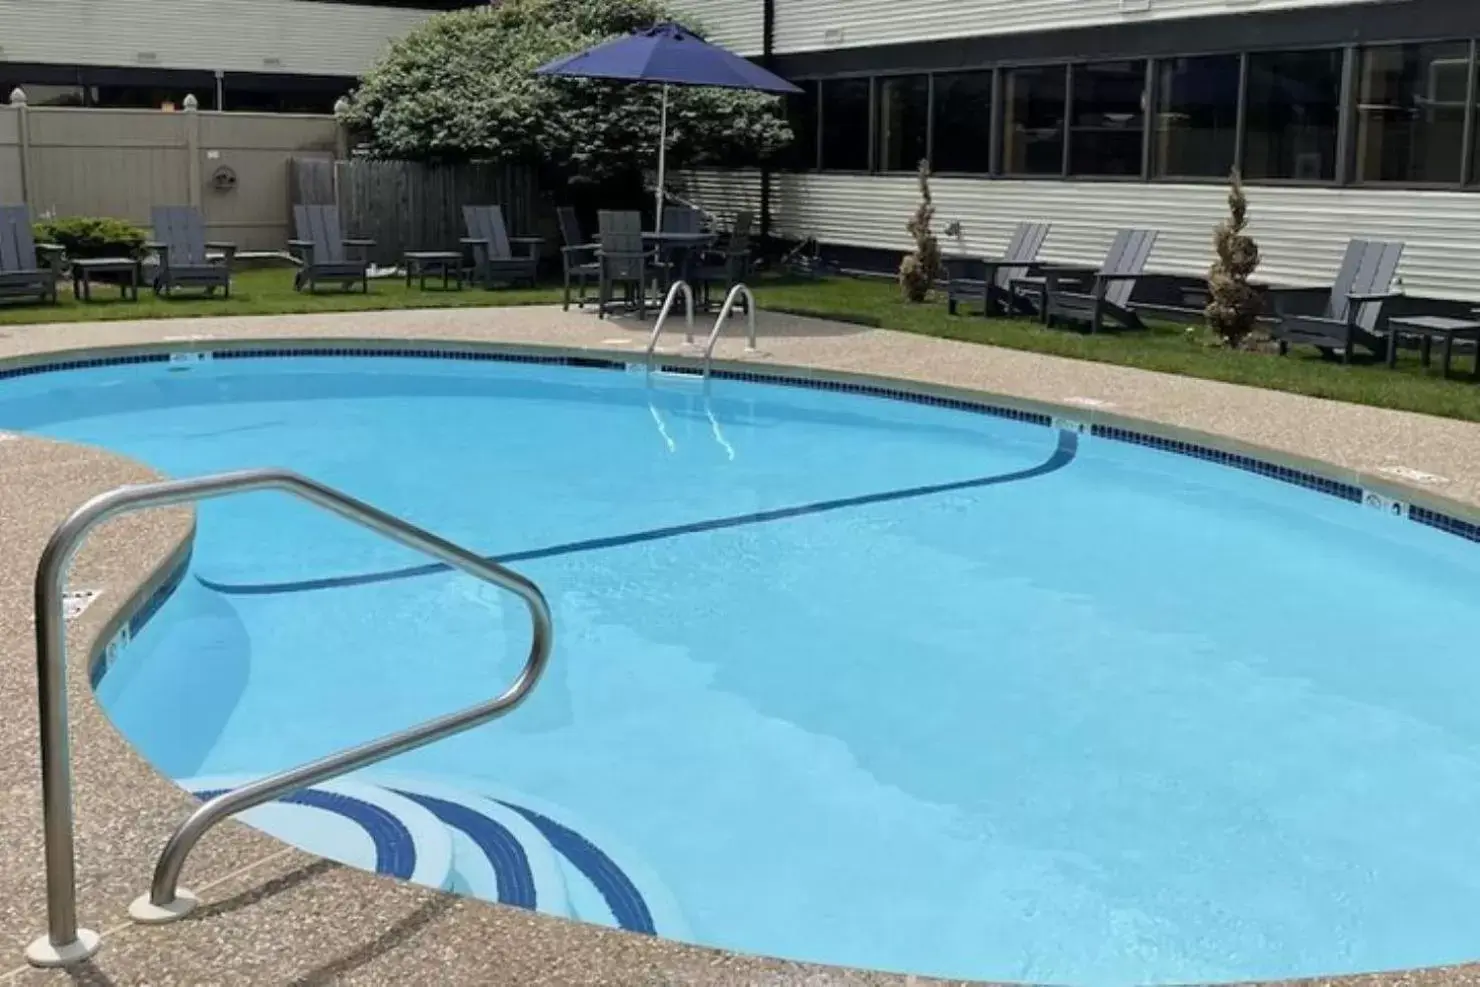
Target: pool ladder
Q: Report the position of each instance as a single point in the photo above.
(64, 943)
(738, 292)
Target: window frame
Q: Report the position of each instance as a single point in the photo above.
(1345, 162)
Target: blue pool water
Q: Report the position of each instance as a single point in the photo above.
(858, 681)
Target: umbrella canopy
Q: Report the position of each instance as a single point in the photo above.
(667, 55)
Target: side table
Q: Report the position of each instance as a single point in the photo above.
(84, 269)
(419, 263)
(1429, 328)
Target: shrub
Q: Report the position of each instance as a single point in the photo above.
(1233, 304)
(918, 269)
(87, 236)
(462, 86)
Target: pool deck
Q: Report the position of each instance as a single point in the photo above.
(275, 915)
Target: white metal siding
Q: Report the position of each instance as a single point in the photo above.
(231, 35)
(808, 25)
(1300, 231)
(739, 25)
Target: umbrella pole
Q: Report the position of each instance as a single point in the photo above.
(662, 157)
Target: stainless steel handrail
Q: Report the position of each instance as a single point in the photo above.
(688, 297)
(64, 942)
(736, 293)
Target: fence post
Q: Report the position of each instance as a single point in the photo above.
(192, 147)
(23, 130)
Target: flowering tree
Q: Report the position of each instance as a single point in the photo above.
(462, 86)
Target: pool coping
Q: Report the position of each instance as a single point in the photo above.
(151, 586)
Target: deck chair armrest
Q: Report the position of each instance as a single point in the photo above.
(226, 247)
(1119, 277)
(355, 241)
(302, 251)
(580, 248)
(630, 254)
(51, 255)
(1373, 296)
(301, 244)
(536, 240)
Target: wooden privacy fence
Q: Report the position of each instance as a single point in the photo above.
(405, 205)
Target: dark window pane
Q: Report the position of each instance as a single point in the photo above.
(801, 113)
(845, 124)
(963, 122)
(1033, 121)
(1292, 113)
(1197, 116)
(1411, 112)
(904, 115)
(40, 94)
(1108, 118)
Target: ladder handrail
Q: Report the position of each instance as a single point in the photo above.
(724, 313)
(679, 286)
(64, 943)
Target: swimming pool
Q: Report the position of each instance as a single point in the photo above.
(912, 686)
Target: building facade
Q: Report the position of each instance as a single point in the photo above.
(264, 55)
(1346, 119)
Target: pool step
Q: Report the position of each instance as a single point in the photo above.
(494, 845)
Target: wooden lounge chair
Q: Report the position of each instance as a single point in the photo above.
(988, 280)
(325, 253)
(494, 260)
(21, 275)
(185, 259)
(1101, 294)
(1351, 313)
(623, 261)
(577, 256)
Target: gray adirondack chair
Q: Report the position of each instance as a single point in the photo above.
(577, 255)
(1087, 296)
(325, 253)
(988, 280)
(22, 276)
(494, 260)
(623, 261)
(184, 254)
(1351, 313)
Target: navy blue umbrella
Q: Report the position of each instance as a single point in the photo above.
(668, 55)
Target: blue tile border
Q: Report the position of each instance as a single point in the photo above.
(1459, 527)
(1285, 474)
(139, 618)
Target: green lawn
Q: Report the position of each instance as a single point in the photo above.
(1170, 349)
(269, 292)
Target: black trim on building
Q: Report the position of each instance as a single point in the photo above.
(1355, 23)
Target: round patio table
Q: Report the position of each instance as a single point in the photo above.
(678, 250)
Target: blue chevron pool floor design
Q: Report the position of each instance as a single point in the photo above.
(495, 845)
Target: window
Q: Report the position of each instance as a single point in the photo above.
(1196, 117)
(1411, 112)
(1033, 121)
(904, 116)
(963, 122)
(845, 124)
(1108, 120)
(1293, 106)
(801, 113)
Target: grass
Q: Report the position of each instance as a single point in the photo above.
(269, 292)
(1169, 349)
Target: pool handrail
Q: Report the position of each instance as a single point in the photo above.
(736, 293)
(679, 286)
(66, 944)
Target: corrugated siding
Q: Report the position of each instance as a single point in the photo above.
(808, 25)
(235, 36)
(739, 25)
(1301, 231)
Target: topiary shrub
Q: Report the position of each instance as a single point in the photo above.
(1233, 306)
(90, 236)
(918, 269)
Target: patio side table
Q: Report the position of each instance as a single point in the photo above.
(84, 269)
(419, 263)
(1429, 328)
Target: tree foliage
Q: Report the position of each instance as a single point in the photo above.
(1233, 305)
(462, 86)
(918, 269)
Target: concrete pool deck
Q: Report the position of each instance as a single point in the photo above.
(275, 915)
